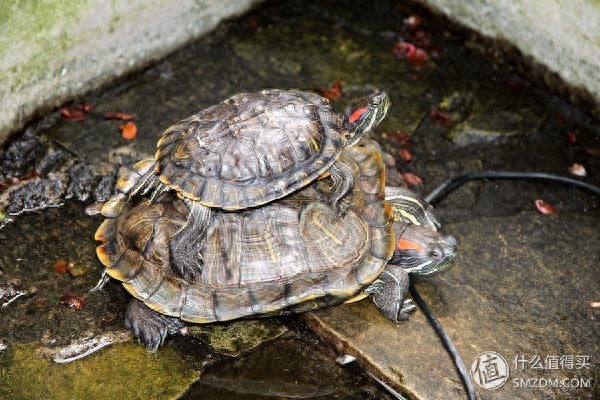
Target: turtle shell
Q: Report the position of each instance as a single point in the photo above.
(251, 148)
(289, 256)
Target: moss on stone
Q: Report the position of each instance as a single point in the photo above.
(124, 371)
(32, 26)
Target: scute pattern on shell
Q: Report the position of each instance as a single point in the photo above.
(251, 148)
(290, 256)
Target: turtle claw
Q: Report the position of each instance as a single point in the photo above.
(150, 327)
(407, 308)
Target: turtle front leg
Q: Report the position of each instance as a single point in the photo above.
(150, 327)
(389, 292)
(187, 243)
(343, 182)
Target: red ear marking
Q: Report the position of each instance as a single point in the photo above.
(404, 244)
(356, 114)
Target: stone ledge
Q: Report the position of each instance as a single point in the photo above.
(51, 53)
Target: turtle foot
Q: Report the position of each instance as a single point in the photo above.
(389, 294)
(150, 327)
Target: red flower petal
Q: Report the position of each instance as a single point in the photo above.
(419, 58)
(128, 130)
(412, 179)
(571, 137)
(72, 114)
(120, 115)
(545, 208)
(405, 154)
(333, 91)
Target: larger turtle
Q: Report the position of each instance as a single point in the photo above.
(247, 151)
(290, 256)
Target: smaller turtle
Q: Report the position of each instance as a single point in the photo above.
(247, 151)
(290, 256)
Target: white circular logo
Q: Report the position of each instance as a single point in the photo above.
(490, 370)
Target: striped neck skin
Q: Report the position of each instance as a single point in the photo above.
(408, 206)
(422, 251)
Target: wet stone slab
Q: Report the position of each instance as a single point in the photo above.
(523, 284)
(519, 287)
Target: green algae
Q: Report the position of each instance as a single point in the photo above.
(32, 24)
(237, 337)
(124, 371)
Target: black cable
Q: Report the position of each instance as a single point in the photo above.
(457, 181)
(437, 327)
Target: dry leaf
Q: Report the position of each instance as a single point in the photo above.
(61, 266)
(72, 300)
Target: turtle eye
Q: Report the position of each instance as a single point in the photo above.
(375, 101)
(436, 254)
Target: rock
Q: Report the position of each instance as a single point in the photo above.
(515, 286)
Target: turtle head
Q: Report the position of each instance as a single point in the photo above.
(362, 116)
(422, 251)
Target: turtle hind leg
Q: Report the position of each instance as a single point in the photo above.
(140, 180)
(150, 327)
(343, 182)
(187, 243)
(389, 292)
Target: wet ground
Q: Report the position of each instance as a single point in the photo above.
(524, 285)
